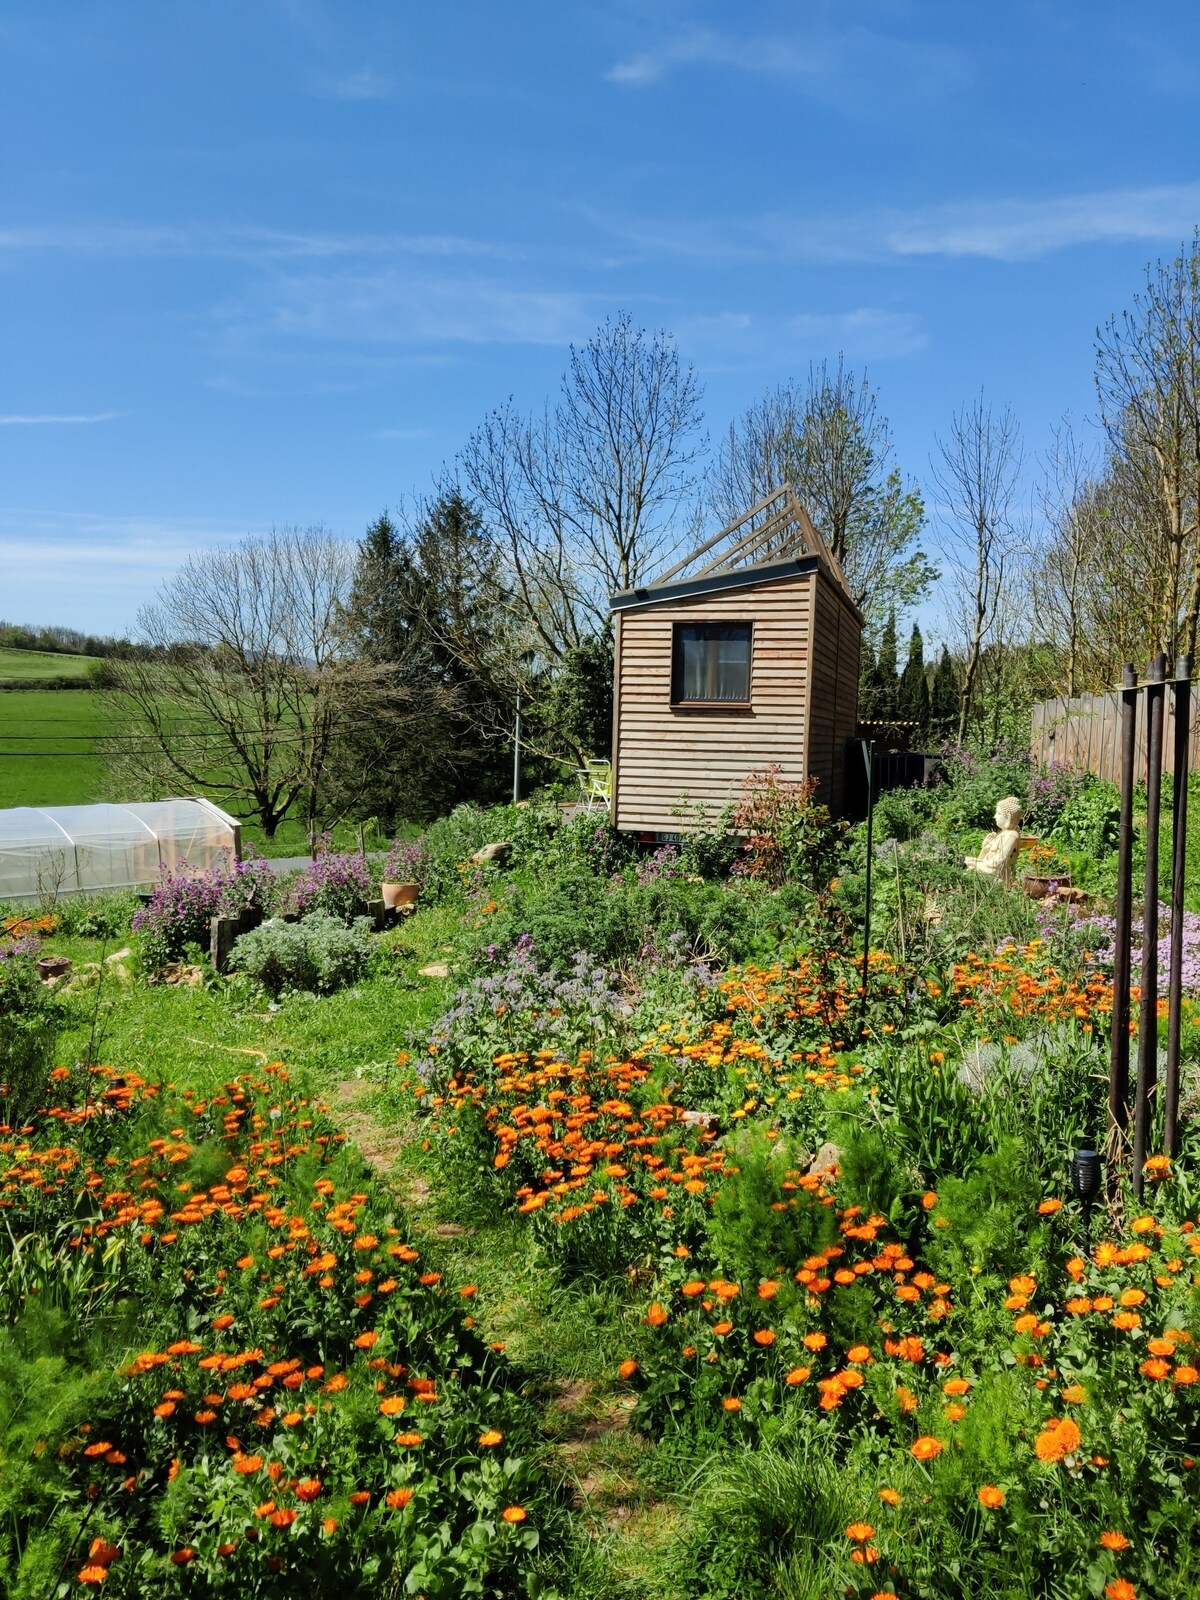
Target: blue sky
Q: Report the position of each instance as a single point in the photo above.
(271, 261)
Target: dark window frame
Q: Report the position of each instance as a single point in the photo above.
(678, 699)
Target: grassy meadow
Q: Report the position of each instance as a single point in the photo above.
(36, 727)
(17, 666)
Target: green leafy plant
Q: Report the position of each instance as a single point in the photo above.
(319, 953)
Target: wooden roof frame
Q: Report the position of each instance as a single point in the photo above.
(787, 531)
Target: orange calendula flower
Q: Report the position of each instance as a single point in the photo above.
(308, 1488)
(731, 1403)
(1155, 1367)
(181, 1557)
(656, 1315)
(1120, 1589)
(514, 1514)
(797, 1376)
(329, 1526)
(927, 1447)
(1047, 1208)
(1111, 1539)
(393, 1405)
(860, 1532)
(367, 1341)
(815, 1341)
(399, 1498)
(410, 1440)
(92, 1573)
(991, 1497)
(247, 1464)
(627, 1369)
(890, 1497)
(1056, 1440)
(490, 1437)
(764, 1337)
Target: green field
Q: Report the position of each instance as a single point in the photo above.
(17, 665)
(46, 744)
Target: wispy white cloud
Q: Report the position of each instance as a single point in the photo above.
(1003, 229)
(57, 420)
(240, 243)
(844, 58)
(365, 84)
(742, 338)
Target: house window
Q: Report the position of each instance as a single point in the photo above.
(711, 663)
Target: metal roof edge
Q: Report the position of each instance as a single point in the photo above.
(652, 594)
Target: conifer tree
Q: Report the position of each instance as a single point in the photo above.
(887, 675)
(914, 687)
(944, 704)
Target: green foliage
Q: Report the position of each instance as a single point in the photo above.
(30, 1018)
(902, 814)
(320, 953)
(1090, 819)
(750, 1237)
(976, 780)
(787, 836)
(578, 709)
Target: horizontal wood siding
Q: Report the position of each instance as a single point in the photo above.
(833, 714)
(667, 758)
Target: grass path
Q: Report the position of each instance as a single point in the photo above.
(566, 1342)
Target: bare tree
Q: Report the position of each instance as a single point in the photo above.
(584, 498)
(245, 683)
(1148, 381)
(976, 475)
(830, 442)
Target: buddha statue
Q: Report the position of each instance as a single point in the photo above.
(996, 853)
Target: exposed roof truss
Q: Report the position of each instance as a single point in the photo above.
(776, 528)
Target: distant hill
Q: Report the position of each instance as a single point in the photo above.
(18, 666)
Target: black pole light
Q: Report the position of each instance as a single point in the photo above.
(1086, 1177)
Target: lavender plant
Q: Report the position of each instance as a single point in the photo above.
(184, 901)
(338, 885)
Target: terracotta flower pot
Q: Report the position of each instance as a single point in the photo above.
(53, 967)
(396, 896)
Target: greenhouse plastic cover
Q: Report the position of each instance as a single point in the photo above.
(52, 850)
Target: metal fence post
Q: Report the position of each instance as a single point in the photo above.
(1118, 1070)
(1182, 696)
(1147, 1073)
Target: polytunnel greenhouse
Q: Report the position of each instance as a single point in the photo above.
(51, 850)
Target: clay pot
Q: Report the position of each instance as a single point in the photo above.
(53, 967)
(398, 895)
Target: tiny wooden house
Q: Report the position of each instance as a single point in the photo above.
(743, 654)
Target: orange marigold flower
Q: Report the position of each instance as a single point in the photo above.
(1074, 1394)
(1133, 1297)
(99, 1448)
(283, 1517)
(1056, 1440)
(367, 1341)
(513, 1514)
(797, 1376)
(393, 1405)
(92, 1573)
(1185, 1375)
(359, 1497)
(490, 1436)
(627, 1369)
(1111, 1539)
(1155, 1367)
(1047, 1208)
(329, 1526)
(926, 1447)
(410, 1440)
(731, 1403)
(182, 1557)
(890, 1497)
(399, 1498)
(860, 1532)
(859, 1352)
(247, 1464)
(308, 1488)
(656, 1315)
(991, 1497)
(815, 1341)
(1120, 1589)
(955, 1386)
(104, 1551)
(764, 1337)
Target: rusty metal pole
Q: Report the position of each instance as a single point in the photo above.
(1147, 1067)
(1118, 1067)
(1182, 696)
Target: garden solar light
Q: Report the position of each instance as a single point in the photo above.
(1086, 1170)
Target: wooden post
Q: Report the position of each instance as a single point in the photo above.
(1118, 1068)
(1182, 698)
(1147, 1073)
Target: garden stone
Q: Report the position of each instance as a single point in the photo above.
(827, 1157)
(435, 969)
(496, 854)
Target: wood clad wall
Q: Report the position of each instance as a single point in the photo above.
(833, 693)
(666, 756)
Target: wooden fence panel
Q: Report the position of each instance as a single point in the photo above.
(1084, 733)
